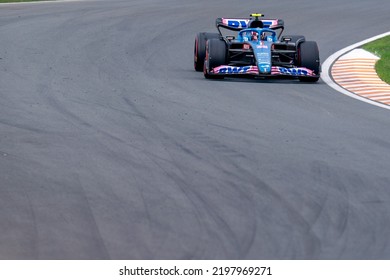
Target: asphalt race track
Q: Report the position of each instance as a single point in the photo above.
(113, 147)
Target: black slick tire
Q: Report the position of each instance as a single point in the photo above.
(216, 51)
(309, 57)
(200, 48)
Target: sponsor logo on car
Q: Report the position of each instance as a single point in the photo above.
(264, 68)
(295, 71)
(232, 70)
(238, 23)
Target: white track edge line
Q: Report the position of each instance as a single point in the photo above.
(326, 66)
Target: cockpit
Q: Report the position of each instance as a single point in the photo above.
(257, 35)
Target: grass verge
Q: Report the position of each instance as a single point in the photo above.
(381, 48)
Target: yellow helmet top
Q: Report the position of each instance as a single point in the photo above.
(256, 16)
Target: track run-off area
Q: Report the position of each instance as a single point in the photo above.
(113, 147)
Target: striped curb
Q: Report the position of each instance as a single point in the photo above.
(331, 60)
(355, 72)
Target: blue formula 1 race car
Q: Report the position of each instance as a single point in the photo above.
(256, 48)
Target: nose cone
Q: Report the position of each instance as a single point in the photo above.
(264, 68)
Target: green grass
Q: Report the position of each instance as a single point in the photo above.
(381, 48)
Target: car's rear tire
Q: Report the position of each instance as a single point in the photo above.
(216, 54)
(309, 57)
(200, 48)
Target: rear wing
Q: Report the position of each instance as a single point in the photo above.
(237, 24)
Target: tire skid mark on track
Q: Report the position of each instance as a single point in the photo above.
(311, 243)
(203, 212)
(218, 182)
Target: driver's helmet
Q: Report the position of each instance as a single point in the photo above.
(254, 36)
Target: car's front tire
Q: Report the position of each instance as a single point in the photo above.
(200, 48)
(309, 57)
(216, 53)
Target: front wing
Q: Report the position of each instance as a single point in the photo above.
(253, 70)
